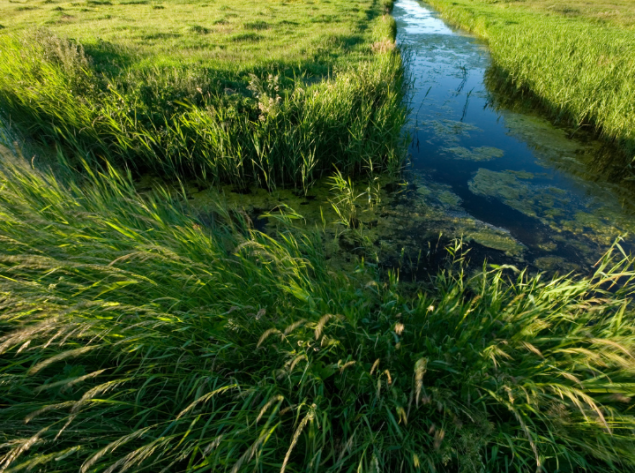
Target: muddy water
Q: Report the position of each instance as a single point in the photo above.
(514, 171)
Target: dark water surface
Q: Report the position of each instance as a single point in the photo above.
(511, 185)
(483, 169)
(514, 171)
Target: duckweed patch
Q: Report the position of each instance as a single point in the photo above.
(451, 131)
(510, 166)
(579, 68)
(555, 264)
(187, 328)
(588, 219)
(397, 220)
(552, 145)
(481, 153)
(496, 239)
(141, 333)
(512, 190)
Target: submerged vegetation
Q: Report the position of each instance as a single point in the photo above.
(576, 58)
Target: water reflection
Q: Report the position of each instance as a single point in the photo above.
(514, 171)
(421, 21)
(513, 186)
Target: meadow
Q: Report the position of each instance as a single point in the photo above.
(576, 59)
(271, 95)
(140, 332)
(235, 36)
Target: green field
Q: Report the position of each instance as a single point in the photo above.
(235, 36)
(601, 12)
(142, 332)
(577, 58)
(246, 93)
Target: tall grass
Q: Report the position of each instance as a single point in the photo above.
(581, 71)
(272, 130)
(137, 335)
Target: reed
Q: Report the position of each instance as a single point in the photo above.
(274, 126)
(138, 333)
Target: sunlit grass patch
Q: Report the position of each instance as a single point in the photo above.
(137, 334)
(170, 32)
(270, 131)
(244, 98)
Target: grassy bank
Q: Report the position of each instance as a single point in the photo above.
(273, 95)
(576, 58)
(139, 335)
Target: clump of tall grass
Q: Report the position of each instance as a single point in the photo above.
(580, 71)
(138, 335)
(261, 133)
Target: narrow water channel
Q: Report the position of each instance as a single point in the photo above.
(512, 186)
(515, 172)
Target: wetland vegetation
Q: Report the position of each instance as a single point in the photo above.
(210, 262)
(225, 100)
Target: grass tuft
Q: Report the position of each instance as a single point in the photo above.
(140, 336)
(283, 120)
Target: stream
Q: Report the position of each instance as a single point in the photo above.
(514, 171)
(509, 184)
(484, 170)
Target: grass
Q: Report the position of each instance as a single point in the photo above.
(233, 36)
(608, 12)
(575, 57)
(261, 112)
(139, 335)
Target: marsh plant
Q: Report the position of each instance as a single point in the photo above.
(138, 334)
(347, 202)
(132, 339)
(268, 129)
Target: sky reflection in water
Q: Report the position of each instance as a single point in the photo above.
(514, 171)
